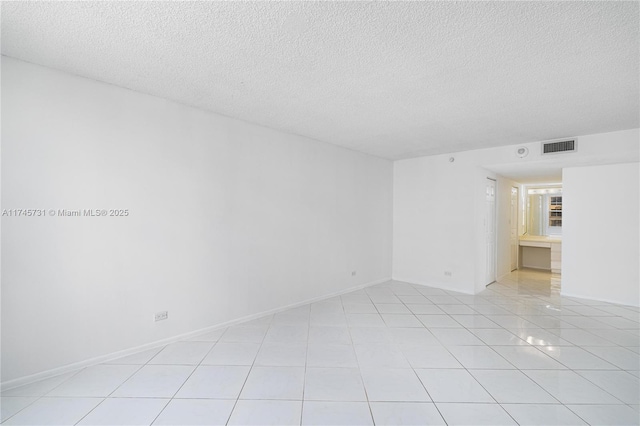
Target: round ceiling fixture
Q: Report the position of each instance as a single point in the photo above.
(522, 152)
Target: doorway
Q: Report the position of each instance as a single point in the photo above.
(513, 231)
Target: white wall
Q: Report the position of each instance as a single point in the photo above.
(431, 222)
(439, 206)
(227, 219)
(600, 254)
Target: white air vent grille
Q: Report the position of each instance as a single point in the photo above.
(557, 147)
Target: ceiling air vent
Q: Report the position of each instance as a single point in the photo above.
(559, 147)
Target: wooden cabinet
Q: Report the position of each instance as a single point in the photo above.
(539, 252)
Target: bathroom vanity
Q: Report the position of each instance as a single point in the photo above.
(541, 245)
(540, 252)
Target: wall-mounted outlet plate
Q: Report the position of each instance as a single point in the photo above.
(447, 273)
(159, 316)
(353, 273)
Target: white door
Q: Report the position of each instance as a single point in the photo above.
(490, 230)
(513, 223)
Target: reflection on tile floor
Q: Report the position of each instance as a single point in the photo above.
(392, 354)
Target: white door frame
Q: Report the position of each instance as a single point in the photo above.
(490, 231)
(515, 193)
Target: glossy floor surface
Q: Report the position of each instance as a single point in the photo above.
(392, 354)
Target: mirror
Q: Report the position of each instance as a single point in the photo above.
(544, 211)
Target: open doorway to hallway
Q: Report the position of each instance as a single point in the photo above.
(533, 254)
(540, 243)
(528, 222)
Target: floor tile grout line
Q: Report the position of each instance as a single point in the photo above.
(306, 361)
(537, 325)
(65, 381)
(39, 397)
(489, 346)
(355, 354)
(90, 411)
(469, 373)
(140, 366)
(195, 367)
(478, 382)
(249, 372)
(111, 393)
(514, 311)
(414, 370)
(577, 414)
(187, 379)
(539, 387)
(597, 385)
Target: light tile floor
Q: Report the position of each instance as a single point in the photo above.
(392, 354)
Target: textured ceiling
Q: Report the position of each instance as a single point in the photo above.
(393, 79)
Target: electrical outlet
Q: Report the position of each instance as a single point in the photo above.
(447, 273)
(353, 273)
(159, 316)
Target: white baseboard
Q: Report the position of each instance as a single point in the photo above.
(21, 381)
(537, 268)
(615, 302)
(433, 284)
